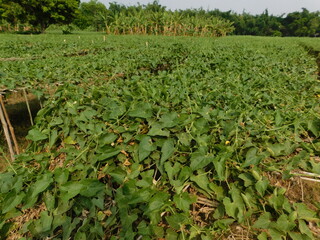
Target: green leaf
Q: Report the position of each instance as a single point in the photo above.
(109, 153)
(61, 175)
(278, 119)
(262, 186)
(80, 236)
(155, 206)
(118, 175)
(49, 200)
(284, 224)
(177, 221)
(171, 234)
(230, 207)
(35, 135)
(12, 200)
(220, 166)
(88, 114)
(201, 126)
(107, 138)
(223, 224)
(252, 158)
(70, 190)
(183, 201)
(62, 206)
(184, 138)
(305, 229)
(169, 120)
(235, 207)
(218, 190)
(91, 187)
(263, 236)
(279, 201)
(248, 179)
(157, 202)
(203, 140)
(114, 109)
(141, 110)
(156, 130)
(69, 140)
(200, 159)
(275, 234)
(84, 187)
(41, 225)
(314, 127)
(147, 179)
(59, 220)
(205, 112)
(146, 146)
(304, 212)
(69, 227)
(6, 182)
(281, 149)
(53, 138)
(144, 229)
(202, 181)
(299, 236)
(185, 173)
(42, 183)
(172, 170)
(167, 150)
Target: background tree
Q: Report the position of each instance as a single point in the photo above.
(91, 14)
(12, 13)
(41, 13)
(302, 24)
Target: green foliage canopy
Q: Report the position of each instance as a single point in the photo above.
(91, 14)
(40, 13)
(302, 24)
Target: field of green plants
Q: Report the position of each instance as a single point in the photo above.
(153, 137)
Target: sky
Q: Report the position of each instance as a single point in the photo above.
(275, 7)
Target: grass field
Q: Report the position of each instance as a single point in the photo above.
(150, 137)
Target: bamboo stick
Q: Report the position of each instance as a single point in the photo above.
(28, 106)
(310, 174)
(13, 136)
(6, 133)
(305, 174)
(310, 179)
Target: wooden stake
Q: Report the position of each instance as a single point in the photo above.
(28, 106)
(6, 133)
(13, 136)
(40, 103)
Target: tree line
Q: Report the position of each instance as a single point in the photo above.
(152, 18)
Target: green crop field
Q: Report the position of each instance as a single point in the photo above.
(153, 137)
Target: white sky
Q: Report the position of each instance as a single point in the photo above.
(275, 7)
